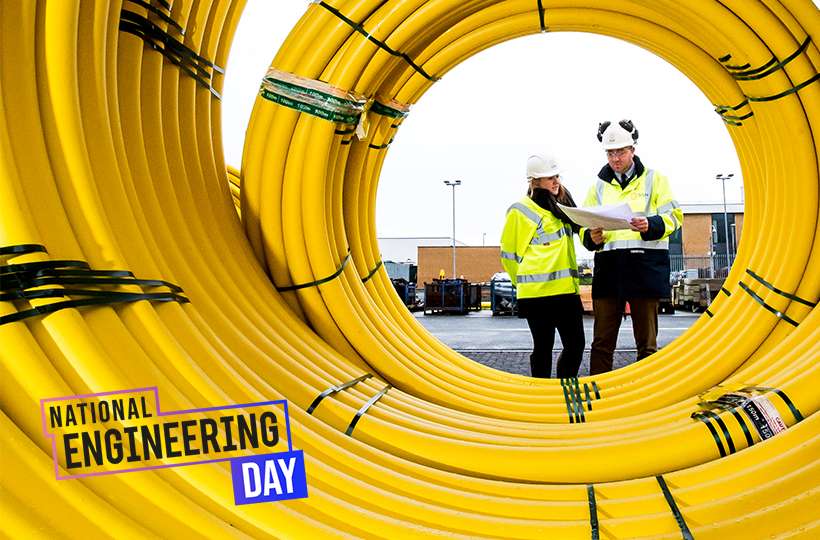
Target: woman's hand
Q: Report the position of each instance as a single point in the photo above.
(597, 235)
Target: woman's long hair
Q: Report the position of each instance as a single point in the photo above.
(546, 200)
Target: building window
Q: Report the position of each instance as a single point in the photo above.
(676, 242)
(719, 234)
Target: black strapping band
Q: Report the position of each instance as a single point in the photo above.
(778, 291)
(747, 65)
(21, 249)
(782, 395)
(364, 408)
(760, 301)
(729, 122)
(333, 390)
(721, 108)
(787, 92)
(687, 534)
(108, 298)
(573, 397)
(159, 14)
(738, 118)
(62, 293)
(79, 272)
(567, 400)
(726, 435)
(733, 120)
(126, 26)
(593, 512)
(21, 282)
(170, 47)
(705, 419)
(381, 45)
(578, 400)
(381, 146)
(372, 272)
(739, 417)
(335, 274)
(771, 66)
(722, 290)
(42, 265)
(178, 47)
(739, 74)
(541, 17)
(797, 416)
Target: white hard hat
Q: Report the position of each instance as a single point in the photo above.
(620, 135)
(542, 165)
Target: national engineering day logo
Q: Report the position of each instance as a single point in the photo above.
(126, 431)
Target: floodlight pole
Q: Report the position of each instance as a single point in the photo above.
(454, 184)
(712, 231)
(726, 218)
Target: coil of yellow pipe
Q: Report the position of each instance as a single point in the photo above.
(111, 154)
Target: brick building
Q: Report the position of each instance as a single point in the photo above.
(476, 264)
(697, 221)
(688, 248)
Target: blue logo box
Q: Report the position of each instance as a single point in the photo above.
(269, 477)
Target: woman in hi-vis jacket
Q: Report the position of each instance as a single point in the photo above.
(538, 252)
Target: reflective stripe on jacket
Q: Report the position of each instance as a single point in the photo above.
(538, 252)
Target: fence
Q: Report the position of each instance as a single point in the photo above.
(718, 263)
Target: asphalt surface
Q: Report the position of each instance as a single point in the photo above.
(504, 342)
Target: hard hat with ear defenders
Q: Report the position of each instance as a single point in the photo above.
(620, 135)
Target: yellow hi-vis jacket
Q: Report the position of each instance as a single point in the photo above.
(538, 252)
(648, 195)
(630, 263)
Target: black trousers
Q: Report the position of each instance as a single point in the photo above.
(545, 315)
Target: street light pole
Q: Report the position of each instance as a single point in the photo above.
(726, 217)
(712, 231)
(454, 184)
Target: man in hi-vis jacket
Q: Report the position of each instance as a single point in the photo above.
(630, 265)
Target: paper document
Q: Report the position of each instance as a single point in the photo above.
(611, 217)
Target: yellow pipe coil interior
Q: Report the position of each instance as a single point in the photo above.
(111, 154)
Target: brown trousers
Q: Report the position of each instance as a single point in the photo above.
(608, 315)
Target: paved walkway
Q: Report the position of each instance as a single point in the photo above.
(518, 362)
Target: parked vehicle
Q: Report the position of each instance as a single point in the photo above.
(502, 295)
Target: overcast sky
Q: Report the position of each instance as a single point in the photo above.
(481, 122)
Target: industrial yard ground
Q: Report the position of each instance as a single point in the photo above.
(504, 342)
